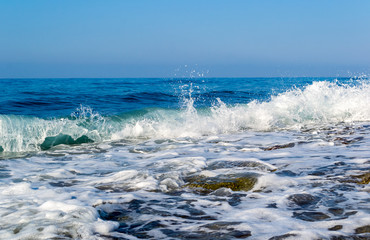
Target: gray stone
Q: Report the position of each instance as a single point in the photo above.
(336, 228)
(281, 237)
(363, 229)
(311, 216)
(303, 199)
(336, 211)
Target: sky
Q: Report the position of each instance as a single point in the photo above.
(172, 38)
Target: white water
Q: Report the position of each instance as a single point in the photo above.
(140, 167)
(316, 105)
(46, 196)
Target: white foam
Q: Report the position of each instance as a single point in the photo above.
(45, 197)
(319, 103)
(104, 227)
(58, 206)
(17, 189)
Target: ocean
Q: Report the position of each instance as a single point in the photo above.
(185, 158)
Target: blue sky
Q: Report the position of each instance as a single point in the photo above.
(156, 38)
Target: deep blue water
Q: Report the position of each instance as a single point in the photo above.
(60, 97)
(38, 114)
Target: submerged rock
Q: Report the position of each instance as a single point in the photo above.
(359, 179)
(228, 228)
(336, 211)
(363, 229)
(206, 235)
(285, 236)
(311, 216)
(288, 145)
(336, 228)
(364, 178)
(221, 225)
(1, 149)
(347, 214)
(303, 199)
(341, 237)
(235, 183)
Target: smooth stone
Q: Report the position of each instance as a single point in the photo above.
(317, 173)
(341, 237)
(310, 216)
(302, 199)
(220, 225)
(363, 229)
(281, 237)
(236, 183)
(350, 213)
(365, 178)
(336, 228)
(200, 235)
(289, 145)
(336, 211)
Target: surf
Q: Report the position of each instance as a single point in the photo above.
(317, 104)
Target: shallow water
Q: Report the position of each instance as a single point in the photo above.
(288, 163)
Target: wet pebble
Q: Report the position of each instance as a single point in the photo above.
(363, 229)
(221, 225)
(206, 235)
(336, 211)
(347, 214)
(281, 237)
(310, 216)
(317, 173)
(336, 228)
(303, 199)
(288, 145)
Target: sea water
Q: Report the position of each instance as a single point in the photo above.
(198, 158)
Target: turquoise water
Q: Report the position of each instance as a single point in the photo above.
(204, 158)
(37, 114)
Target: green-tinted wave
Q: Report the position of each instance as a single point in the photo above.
(318, 103)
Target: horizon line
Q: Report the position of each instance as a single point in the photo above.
(1, 78)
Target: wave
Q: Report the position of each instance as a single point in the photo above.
(318, 103)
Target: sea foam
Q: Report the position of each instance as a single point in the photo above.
(319, 103)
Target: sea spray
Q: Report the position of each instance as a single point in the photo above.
(319, 103)
(264, 166)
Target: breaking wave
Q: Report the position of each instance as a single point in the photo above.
(315, 104)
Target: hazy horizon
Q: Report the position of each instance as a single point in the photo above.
(153, 39)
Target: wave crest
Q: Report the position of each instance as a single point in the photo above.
(316, 104)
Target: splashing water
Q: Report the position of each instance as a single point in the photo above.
(316, 104)
(231, 161)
